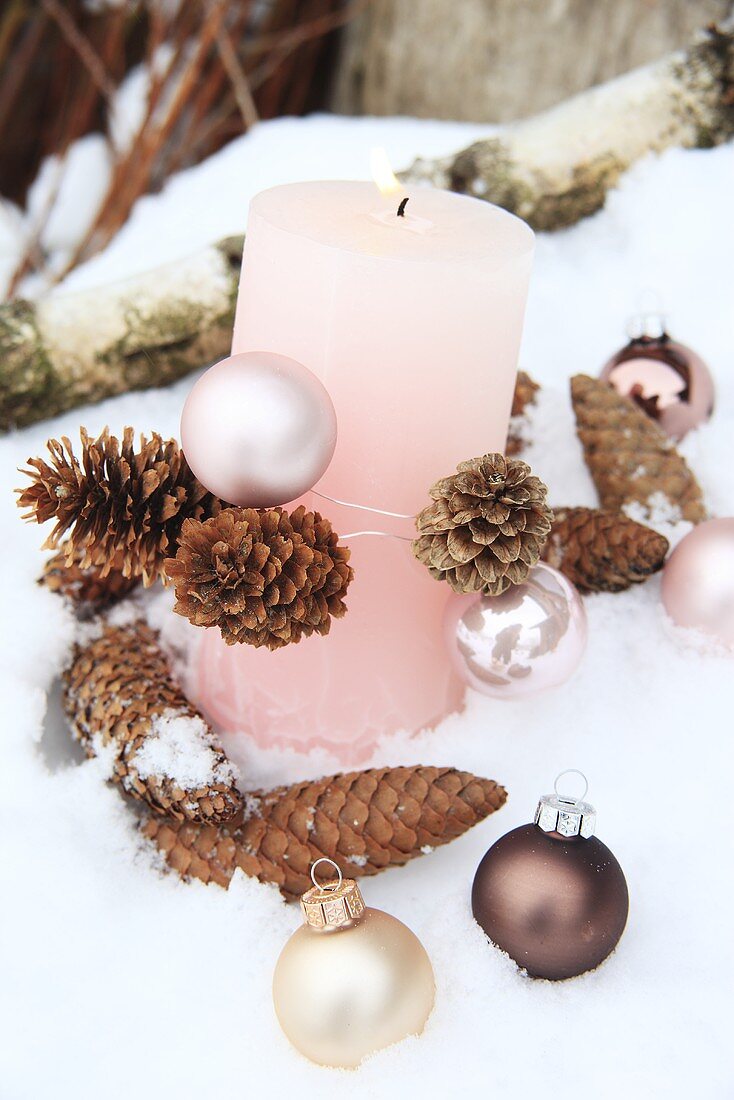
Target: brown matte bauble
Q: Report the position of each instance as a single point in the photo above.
(669, 381)
(556, 905)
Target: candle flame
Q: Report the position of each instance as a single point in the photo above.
(382, 172)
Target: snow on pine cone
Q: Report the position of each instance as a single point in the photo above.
(267, 578)
(122, 702)
(486, 526)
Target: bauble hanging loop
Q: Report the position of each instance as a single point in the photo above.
(351, 979)
(551, 894)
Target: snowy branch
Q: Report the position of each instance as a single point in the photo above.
(70, 349)
(556, 168)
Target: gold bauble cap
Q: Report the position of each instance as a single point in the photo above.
(336, 903)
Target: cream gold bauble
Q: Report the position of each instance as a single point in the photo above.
(351, 980)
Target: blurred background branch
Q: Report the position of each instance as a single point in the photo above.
(161, 86)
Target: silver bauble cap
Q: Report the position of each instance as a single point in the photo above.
(564, 814)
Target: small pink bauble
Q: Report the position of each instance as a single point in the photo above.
(666, 379)
(530, 638)
(698, 580)
(258, 429)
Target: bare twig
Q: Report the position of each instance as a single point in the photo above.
(238, 79)
(82, 47)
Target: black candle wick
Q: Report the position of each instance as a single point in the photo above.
(403, 204)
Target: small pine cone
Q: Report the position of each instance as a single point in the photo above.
(365, 821)
(118, 507)
(263, 577)
(525, 391)
(119, 695)
(629, 456)
(603, 551)
(486, 526)
(86, 589)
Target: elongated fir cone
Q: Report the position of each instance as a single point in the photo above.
(630, 458)
(366, 821)
(603, 551)
(86, 589)
(119, 696)
(267, 578)
(524, 396)
(486, 526)
(118, 507)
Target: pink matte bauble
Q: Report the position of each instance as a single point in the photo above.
(530, 638)
(698, 580)
(669, 382)
(258, 429)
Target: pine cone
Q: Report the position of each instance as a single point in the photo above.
(365, 821)
(120, 507)
(603, 551)
(629, 456)
(525, 391)
(118, 693)
(486, 526)
(86, 589)
(263, 577)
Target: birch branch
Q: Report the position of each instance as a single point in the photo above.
(557, 167)
(70, 349)
(552, 170)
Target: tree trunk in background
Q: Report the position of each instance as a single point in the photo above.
(496, 60)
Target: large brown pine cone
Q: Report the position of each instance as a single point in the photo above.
(603, 551)
(486, 526)
(365, 821)
(120, 507)
(629, 456)
(119, 696)
(263, 577)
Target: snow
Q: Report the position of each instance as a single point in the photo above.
(117, 976)
(180, 749)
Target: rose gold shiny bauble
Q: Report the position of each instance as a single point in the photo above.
(698, 580)
(668, 381)
(258, 429)
(530, 638)
(557, 905)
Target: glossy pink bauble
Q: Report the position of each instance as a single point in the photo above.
(258, 429)
(530, 638)
(698, 580)
(666, 379)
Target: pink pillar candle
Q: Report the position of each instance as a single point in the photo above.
(413, 325)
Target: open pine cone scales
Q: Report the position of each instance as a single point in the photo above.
(267, 578)
(603, 551)
(486, 526)
(365, 821)
(118, 507)
(119, 696)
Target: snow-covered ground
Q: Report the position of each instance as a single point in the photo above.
(118, 980)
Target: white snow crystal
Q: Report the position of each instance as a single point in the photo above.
(180, 748)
